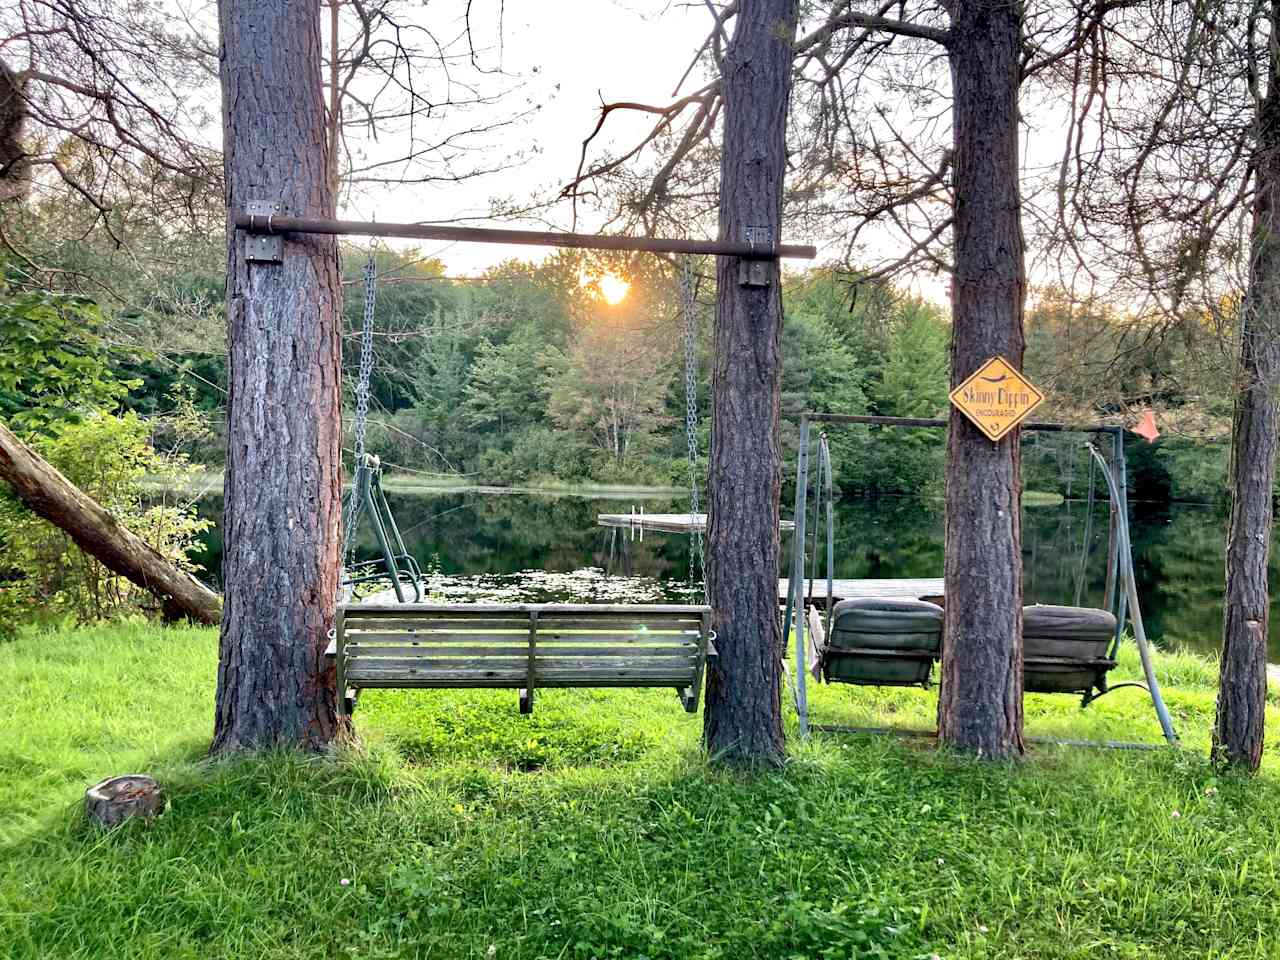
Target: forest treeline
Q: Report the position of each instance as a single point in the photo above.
(527, 374)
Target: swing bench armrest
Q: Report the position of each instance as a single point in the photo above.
(712, 653)
(331, 650)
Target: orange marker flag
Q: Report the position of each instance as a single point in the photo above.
(1146, 426)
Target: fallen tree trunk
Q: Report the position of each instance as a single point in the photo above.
(52, 496)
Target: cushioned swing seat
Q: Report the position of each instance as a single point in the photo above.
(882, 642)
(1065, 649)
(894, 642)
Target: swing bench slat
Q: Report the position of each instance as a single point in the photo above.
(525, 646)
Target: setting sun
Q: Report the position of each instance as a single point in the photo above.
(612, 288)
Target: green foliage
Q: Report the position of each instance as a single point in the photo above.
(185, 427)
(107, 457)
(882, 354)
(495, 366)
(441, 374)
(594, 828)
(820, 371)
(1095, 362)
(53, 363)
(415, 305)
(466, 369)
(156, 376)
(1197, 470)
(611, 391)
(537, 453)
(916, 371)
(15, 607)
(508, 384)
(913, 383)
(518, 294)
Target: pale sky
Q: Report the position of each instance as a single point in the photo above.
(569, 54)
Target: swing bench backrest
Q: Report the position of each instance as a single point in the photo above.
(522, 647)
(894, 642)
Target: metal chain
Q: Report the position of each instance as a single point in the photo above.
(366, 357)
(688, 306)
(354, 504)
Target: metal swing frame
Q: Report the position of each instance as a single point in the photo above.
(1121, 591)
(397, 564)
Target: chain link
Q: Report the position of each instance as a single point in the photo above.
(366, 358)
(354, 504)
(688, 307)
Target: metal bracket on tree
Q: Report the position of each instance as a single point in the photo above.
(261, 245)
(754, 272)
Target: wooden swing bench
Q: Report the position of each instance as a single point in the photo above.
(523, 647)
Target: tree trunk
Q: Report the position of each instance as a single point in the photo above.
(283, 486)
(743, 719)
(980, 700)
(15, 165)
(1242, 679)
(335, 99)
(49, 494)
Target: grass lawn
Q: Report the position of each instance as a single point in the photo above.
(595, 828)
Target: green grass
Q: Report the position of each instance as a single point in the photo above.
(595, 828)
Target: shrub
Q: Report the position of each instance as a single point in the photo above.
(53, 363)
(107, 457)
(642, 471)
(15, 607)
(184, 428)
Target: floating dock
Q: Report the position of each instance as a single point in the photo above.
(666, 522)
(922, 588)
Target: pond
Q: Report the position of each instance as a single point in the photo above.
(544, 548)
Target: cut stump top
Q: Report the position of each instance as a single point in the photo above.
(117, 799)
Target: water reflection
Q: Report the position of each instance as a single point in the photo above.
(486, 545)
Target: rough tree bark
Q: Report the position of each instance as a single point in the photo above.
(15, 170)
(743, 718)
(282, 486)
(980, 698)
(1242, 678)
(49, 494)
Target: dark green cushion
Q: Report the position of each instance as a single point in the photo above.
(1084, 623)
(884, 615)
(886, 624)
(1080, 633)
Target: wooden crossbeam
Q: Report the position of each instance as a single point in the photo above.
(273, 224)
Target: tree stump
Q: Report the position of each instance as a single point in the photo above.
(116, 799)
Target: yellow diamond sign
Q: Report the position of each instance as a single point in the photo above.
(996, 398)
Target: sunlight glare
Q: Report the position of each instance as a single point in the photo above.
(613, 289)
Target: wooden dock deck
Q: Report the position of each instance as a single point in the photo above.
(666, 522)
(917, 589)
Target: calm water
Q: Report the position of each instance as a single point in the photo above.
(536, 548)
